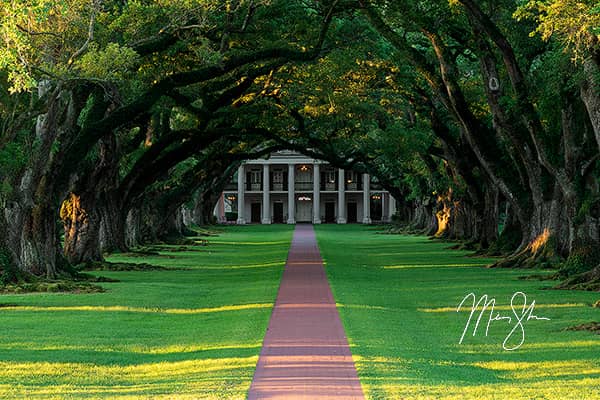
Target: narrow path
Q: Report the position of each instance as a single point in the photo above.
(305, 353)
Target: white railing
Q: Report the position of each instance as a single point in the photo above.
(303, 186)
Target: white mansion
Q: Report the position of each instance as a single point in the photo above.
(288, 187)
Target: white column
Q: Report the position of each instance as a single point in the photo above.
(341, 219)
(392, 206)
(266, 209)
(316, 194)
(291, 194)
(240, 195)
(221, 209)
(366, 199)
(383, 210)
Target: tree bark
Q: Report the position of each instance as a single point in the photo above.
(590, 94)
(81, 222)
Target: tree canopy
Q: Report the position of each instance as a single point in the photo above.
(484, 115)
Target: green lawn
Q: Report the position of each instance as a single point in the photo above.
(178, 334)
(397, 296)
(195, 331)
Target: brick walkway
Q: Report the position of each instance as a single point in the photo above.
(305, 354)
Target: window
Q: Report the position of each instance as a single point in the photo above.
(255, 176)
(330, 176)
(351, 177)
(277, 176)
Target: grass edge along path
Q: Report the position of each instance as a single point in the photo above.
(397, 298)
(169, 334)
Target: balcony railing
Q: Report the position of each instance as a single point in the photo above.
(376, 186)
(254, 187)
(279, 187)
(354, 186)
(303, 186)
(329, 186)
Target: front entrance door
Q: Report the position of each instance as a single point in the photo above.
(352, 213)
(255, 213)
(304, 209)
(329, 212)
(278, 213)
(376, 208)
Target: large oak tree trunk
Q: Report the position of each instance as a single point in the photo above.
(81, 221)
(87, 211)
(31, 216)
(31, 236)
(113, 232)
(590, 94)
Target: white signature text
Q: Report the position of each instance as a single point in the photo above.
(521, 313)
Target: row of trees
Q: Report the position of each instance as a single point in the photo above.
(115, 113)
(474, 115)
(481, 117)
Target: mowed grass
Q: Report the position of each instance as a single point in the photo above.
(193, 332)
(397, 296)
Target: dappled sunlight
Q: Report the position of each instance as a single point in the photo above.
(586, 389)
(157, 310)
(135, 349)
(163, 334)
(497, 307)
(394, 362)
(282, 242)
(533, 347)
(409, 266)
(362, 307)
(540, 241)
(433, 252)
(187, 378)
(565, 344)
(226, 267)
(412, 351)
(129, 392)
(396, 379)
(174, 349)
(135, 373)
(543, 369)
(443, 215)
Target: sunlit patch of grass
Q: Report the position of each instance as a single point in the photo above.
(536, 370)
(360, 306)
(532, 347)
(263, 265)
(172, 349)
(467, 308)
(274, 243)
(564, 390)
(406, 266)
(192, 333)
(206, 310)
(404, 329)
(81, 373)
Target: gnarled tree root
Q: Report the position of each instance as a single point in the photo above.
(525, 259)
(108, 266)
(589, 280)
(53, 286)
(589, 326)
